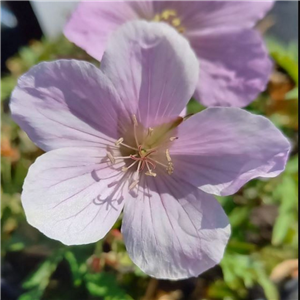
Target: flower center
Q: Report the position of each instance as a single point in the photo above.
(170, 16)
(145, 150)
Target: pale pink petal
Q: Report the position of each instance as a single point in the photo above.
(220, 149)
(183, 113)
(92, 23)
(172, 230)
(213, 15)
(66, 103)
(72, 195)
(153, 68)
(235, 67)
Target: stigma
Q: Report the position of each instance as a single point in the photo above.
(170, 16)
(144, 151)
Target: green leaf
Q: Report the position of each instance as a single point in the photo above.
(194, 107)
(293, 94)
(242, 271)
(239, 216)
(7, 85)
(281, 228)
(285, 57)
(75, 268)
(219, 290)
(292, 165)
(34, 294)
(39, 280)
(238, 271)
(269, 287)
(287, 192)
(105, 285)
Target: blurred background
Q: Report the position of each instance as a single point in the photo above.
(261, 260)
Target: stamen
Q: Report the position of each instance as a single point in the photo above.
(170, 168)
(156, 18)
(157, 162)
(168, 13)
(124, 169)
(173, 138)
(111, 158)
(133, 184)
(176, 22)
(135, 124)
(171, 17)
(119, 141)
(168, 155)
(124, 157)
(150, 131)
(150, 173)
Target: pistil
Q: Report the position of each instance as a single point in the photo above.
(146, 155)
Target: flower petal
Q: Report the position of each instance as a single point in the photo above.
(66, 103)
(220, 149)
(153, 68)
(235, 67)
(208, 15)
(92, 23)
(71, 195)
(172, 230)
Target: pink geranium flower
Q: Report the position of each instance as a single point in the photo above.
(234, 64)
(114, 141)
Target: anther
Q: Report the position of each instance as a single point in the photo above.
(176, 22)
(119, 141)
(173, 138)
(134, 120)
(149, 173)
(168, 13)
(156, 18)
(170, 168)
(150, 131)
(110, 157)
(133, 184)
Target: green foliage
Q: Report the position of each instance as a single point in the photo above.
(106, 286)
(242, 272)
(39, 280)
(286, 193)
(285, 56)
